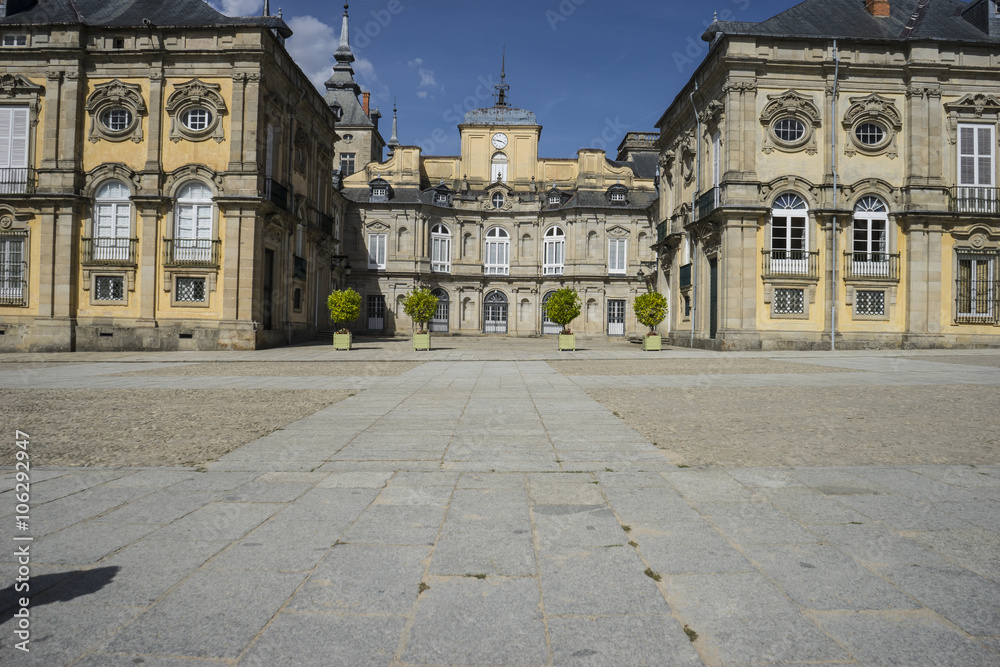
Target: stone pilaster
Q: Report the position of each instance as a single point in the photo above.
(236, 118)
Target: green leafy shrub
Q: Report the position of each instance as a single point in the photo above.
(563, 307)
(345, 306)
(650, 309)
(420, 305)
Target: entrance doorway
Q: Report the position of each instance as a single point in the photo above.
(549, 328)
(376, 312)
(616, 317)
(439, 323)
(495, 313)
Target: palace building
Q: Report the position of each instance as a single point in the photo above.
(832, 172)
(165, 180)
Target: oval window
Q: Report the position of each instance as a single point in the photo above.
(117, 119)
(789, 130)
(870, 134)
(197, 119)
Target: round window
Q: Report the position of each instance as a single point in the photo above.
(870, 134)
(789, 130)
(197, 119)
(348, 138)
(117, 119)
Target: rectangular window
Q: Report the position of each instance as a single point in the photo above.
(497, 258)
(13, 149)
(376, 251)
(441, 254)
(15, 40)
(976, 169)
(376, 312)
(190, 290)
(789, 244)
(346, 164)
(869, 302)
(976, 288)
(555, 253)
(109, 288)
(13, 270)
(716, 158)
(616, 256)
(789, 302)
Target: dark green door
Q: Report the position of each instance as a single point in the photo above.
(713, 297)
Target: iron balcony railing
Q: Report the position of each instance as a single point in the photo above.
(800, 263)
(978, 301)
(109, 251)
(14, 284)
(707, 202)
(277, 194)
(685, 276)
(192, 252)
(871, 266)
(975, 199)
(17, 181)
(325, 223)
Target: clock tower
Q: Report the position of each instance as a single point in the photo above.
(500, 143)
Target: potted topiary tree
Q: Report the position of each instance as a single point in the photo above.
(420, 305)
(345, 306)
(650, 309)
(562, 307)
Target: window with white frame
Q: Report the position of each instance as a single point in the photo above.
(112, 224)
(193, 224)
(13, 269)
(976, 169)
(789, 301)
(789, 235)
(15, 40)
(440, 249)
(499, 168)
(347, 164)
(870, 240)
(14, 149)
(554, 252)
(617, 262)
(976, 288)
(376, 250)
(497, 255)
(190, 290)
(109, 288)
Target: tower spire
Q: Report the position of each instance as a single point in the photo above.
(267, 8)
(502, 87)
(394, 140)
(343, 53)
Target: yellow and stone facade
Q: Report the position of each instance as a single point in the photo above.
(818, 186)
(168, 187)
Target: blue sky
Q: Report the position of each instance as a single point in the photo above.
(591, 70)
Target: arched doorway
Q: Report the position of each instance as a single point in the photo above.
(495, 313)
(548, 326)
(439, 323)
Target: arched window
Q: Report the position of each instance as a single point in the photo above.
(497, 252)
(495, 313)
(789, 235)
(499, 168)
(870, 238)
(440, 249)
(439, 323)
(549, 328)
(193, 224)
(112, 226)
(555, 252)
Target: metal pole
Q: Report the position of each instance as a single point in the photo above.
(694, 207)
(833, 229)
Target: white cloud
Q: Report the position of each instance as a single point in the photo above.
(238, 7)
(311, 46)
(427, 83)
(415, 63)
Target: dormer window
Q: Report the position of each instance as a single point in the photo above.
(555, 200)
(379, 190)
(498, 200)
(15, 40)
(618, 194)
(441, 199)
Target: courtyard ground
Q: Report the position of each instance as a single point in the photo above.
(495, 502)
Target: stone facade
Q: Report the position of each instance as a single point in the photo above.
(169, 185)
(803, 196)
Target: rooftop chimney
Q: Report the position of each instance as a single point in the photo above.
(877, 7)
(365, 101)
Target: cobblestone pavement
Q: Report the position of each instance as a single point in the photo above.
(489, 511)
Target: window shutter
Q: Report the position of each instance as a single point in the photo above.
(19, 137)
(985, 155)
(6, 118)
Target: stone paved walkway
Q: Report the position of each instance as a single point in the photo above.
(491, 513)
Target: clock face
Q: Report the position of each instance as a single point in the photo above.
(499, 140)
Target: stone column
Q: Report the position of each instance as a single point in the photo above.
(154, 137)
(236, 127)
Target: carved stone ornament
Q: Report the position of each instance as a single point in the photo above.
(377, 227)
(791, 121)
(15, 85)
(116, 109)
(196, 109)
(974, 107)
(712, 116)
(872, 110)
(978, 241)
(6, 222)
(618, 232)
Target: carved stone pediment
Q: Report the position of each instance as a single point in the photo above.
(617, 232)
(377, 227)
(187, 107)
(974, 107)
(115, 110)
(874, 110)
(15, 85)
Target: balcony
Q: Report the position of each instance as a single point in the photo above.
(109, 252)
(277, 194)
(707, 202)
(790, 264)
(871, 266)
(975, 199)
(17, 181)
(192, 252)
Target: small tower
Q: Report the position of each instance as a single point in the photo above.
(394, 139)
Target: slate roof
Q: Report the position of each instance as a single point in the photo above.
(581, 199)
(130, 13)
(498, 115)
(643, 165)
(848, 19)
